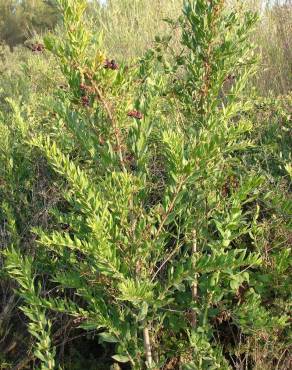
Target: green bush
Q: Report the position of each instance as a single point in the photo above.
(148, 203)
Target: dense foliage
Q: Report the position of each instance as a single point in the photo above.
(145, 203)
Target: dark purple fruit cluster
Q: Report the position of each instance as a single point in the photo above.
(135, 114)
(37, 48)
(111, 64)
(85, 101)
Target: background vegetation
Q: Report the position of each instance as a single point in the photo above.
(250, 326)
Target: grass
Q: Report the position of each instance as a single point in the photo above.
(129, 28)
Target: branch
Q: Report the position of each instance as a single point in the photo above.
(195, 282)
(171, 206)
(147, 346)
(111, 118)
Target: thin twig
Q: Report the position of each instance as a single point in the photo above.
(195, 282)
(25, 361)
(111, 118)
(170, 208)
(173, 252)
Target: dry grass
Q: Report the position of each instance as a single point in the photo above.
(274, 40)
(130, 27)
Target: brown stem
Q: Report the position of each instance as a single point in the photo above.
(111, 118)
(23, 363)
(7, 309)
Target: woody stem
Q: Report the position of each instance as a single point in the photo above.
(194, 287)
(147, 346)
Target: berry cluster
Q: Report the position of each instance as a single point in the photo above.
(135, 114)
(85, 91)
(231, 77)
(111, 64)
(230, 185)
(85, 101)
(37, 48)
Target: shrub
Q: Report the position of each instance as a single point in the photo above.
(159, 242)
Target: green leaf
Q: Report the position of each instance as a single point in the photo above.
(121, 358)
(143, 312)
(234, 284)
(107, 337)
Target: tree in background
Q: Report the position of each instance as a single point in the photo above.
(20, 20)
